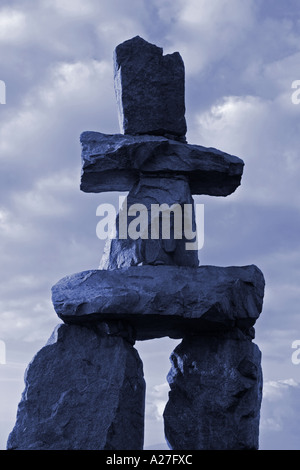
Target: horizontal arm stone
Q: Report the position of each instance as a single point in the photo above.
(163, 300)
(114, 163)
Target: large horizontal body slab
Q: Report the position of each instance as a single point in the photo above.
(114, 163)
(163, 300)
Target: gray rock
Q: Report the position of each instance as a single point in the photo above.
(84, 391)
(149, 89)
(163, 300)
(168, 249)
(215, 397)
(115, 162)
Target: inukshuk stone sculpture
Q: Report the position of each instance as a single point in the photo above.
(85, 388)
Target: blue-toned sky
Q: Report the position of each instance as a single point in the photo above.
(241, 58)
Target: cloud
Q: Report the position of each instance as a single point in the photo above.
(155, 356)
(74, 9)
(157, 398)
(64, 97)
(279, 428)
(12, 25)
(201, 44)
(240, 59)
(263, 133)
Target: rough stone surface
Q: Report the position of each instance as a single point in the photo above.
(163, 300)
(115, 162)
(149, 89)
(171, 250)
(215, 397)
(84, 391)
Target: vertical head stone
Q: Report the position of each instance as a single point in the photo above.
(149, 89)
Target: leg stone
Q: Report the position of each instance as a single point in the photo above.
(215, 397)
(84, 390)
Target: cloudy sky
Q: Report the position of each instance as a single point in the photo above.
(241, 59)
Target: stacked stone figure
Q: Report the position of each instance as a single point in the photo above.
(85, 389)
